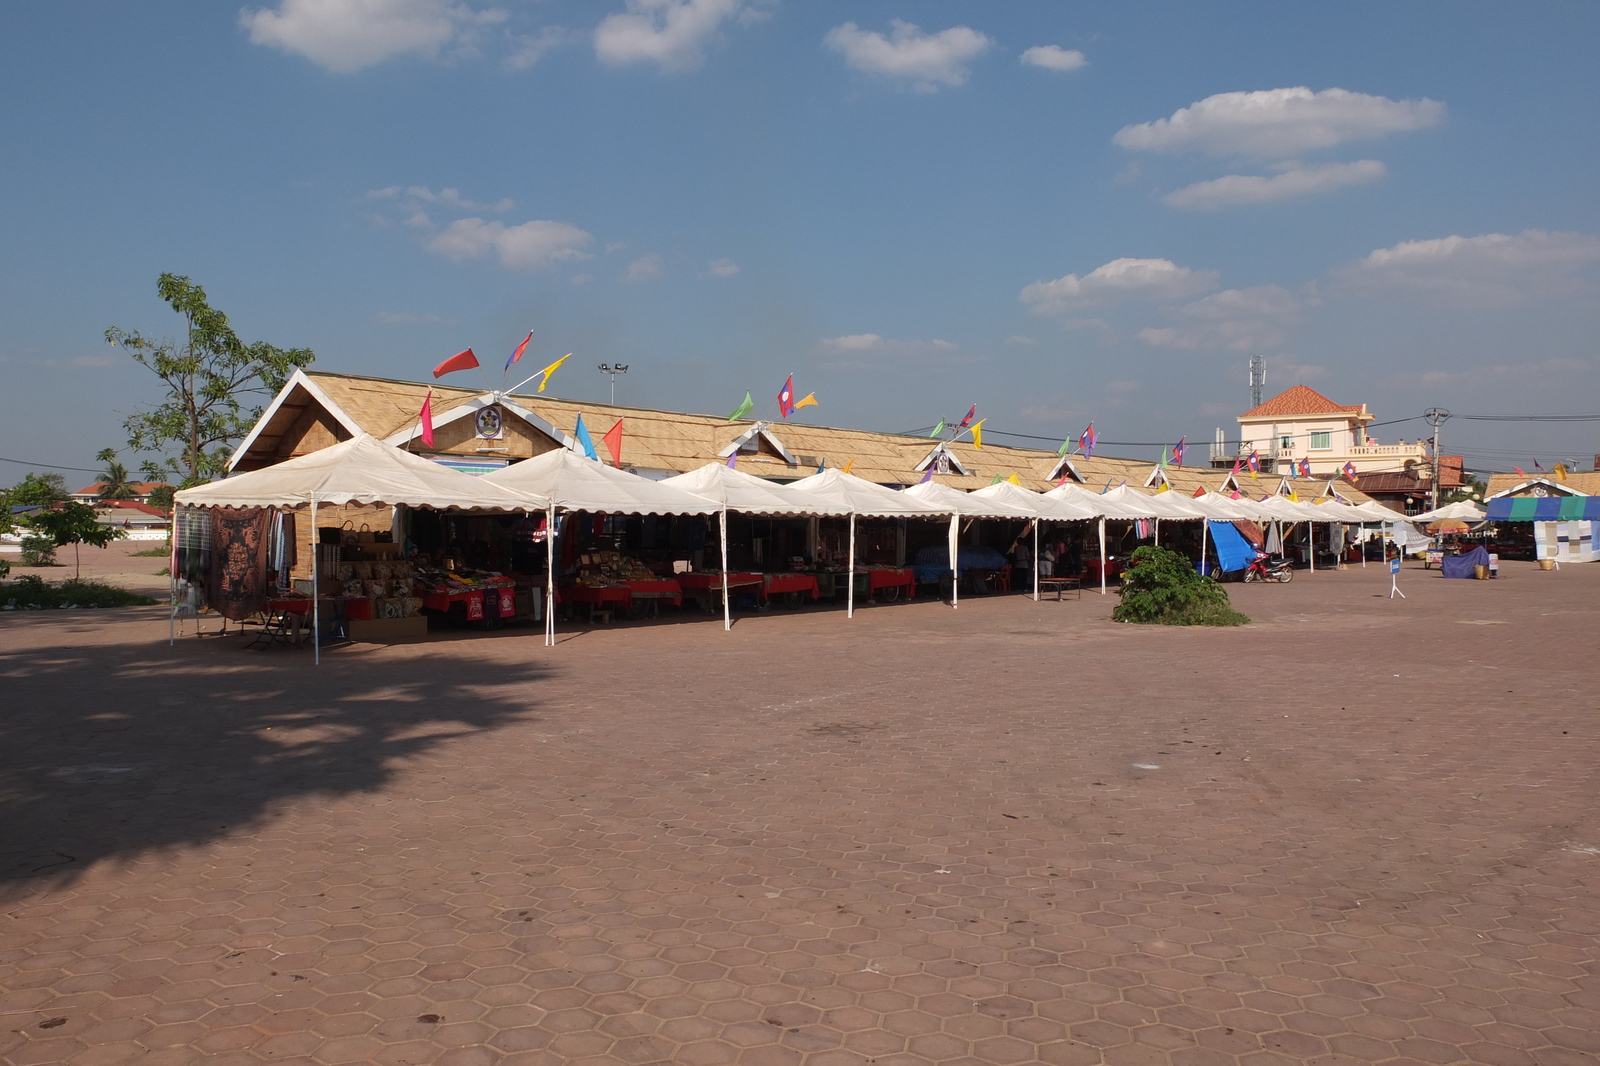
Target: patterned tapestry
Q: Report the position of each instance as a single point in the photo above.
(238, 585)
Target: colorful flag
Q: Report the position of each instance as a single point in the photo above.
(516, 355)
(1350, 471)
(1015, 480)
(1166, 486)
(1521, 472)
(845, 469)
(1107, 487)
(786, 398)
(1178, 450)
(745, 407)
(1162, 465)
(1066, 446)
(1235, 468)
(821, 465)
(927, 475)
(733, 460)
(997, 480)
(551, 369)
(1255, 464)
(977, 431)
(1086, 441)
(972, 412)
(1294, 497)
(460, 361)
(581, 432)
(613, 439)
(1199, 491)
(1560, 471)
(808, 400)
(427, 419)
(1305, 466)
(937, 430)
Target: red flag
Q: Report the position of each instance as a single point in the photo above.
(427, 419)
(972, 413)
(1200, 490)
(1521, 472)
(460, 361)
(517, 354)
(786, 398)
(613, 441)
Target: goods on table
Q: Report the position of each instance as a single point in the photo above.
(609, 567)
(388, 584)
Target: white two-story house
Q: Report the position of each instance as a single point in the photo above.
(1301, 423)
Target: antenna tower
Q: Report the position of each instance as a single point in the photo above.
(1258, 379)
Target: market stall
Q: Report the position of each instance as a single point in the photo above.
(359, 471)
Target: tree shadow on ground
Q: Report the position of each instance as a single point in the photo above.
(118, 750)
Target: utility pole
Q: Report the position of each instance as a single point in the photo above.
(1436, 417)
(612, 372)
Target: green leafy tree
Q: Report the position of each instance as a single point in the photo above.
(212, 379)
(114, 483)
(69, 523)
(1162, 588)
(161, 498)
(34, 490)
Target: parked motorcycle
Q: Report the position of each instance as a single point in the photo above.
(1262, 568)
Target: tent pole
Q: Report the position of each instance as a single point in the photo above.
(550, 577)
(1205, 527)
(1035, 560)
(727, 613)
(1158, 531)
(1103, 556)
(850, 588)
(172, 579)
(1311, 545)
(1363, 528)
(316, 598)
(955, 553)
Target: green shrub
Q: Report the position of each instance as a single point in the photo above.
(1162, 588)
(31, 593)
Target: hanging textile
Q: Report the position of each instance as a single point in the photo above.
(1274, 541)
(1251, 531)
(237, 587)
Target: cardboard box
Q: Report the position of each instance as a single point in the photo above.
(384, 630)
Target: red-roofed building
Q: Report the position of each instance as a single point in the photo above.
(139, 521)
(1302, 424)
(141, 491)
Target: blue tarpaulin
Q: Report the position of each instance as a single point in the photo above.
(1233, 551)
(1461, 565)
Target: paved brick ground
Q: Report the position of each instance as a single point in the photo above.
(1358, 831)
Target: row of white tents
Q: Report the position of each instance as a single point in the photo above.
(366, 471)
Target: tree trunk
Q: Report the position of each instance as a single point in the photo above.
(77, 561)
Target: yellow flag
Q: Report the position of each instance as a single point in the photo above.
(1015, 480)
(977, 432)
(1294, 497)
(1165, 487)
(551, 369)
(845, 469)
(809, 401)
(1560, 471)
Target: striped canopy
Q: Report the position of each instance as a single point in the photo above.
(1545, 509)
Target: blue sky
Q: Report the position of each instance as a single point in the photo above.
(1061, 212)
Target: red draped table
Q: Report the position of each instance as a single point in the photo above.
(627, 593)
(892, 578)
(706, 589)
(479, 604)
(792, 587)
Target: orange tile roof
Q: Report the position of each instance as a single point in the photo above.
(1301, 400)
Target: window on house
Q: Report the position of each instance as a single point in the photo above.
(1286, 443)
(1321, 440)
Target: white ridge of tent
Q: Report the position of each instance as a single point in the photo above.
(734, 490)
(963, 504)
(1461, 511)
(360, 471)
(574, 482)
(1104, 506)
(858, 497)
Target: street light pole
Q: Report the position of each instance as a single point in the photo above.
(1436, 417)
(612, 372)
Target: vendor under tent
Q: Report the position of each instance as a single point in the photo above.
(845, 494)
(727, 490)
(1103, 505)
(360, 471)
(962, 505)
(572, 482)
(1044, 508)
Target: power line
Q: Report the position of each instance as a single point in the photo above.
(50, 466)
(1531, 418)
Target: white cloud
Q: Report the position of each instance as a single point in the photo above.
(644, 268)
(1291, 181)
(346, 35)
(530, 246)
(925, 60)
(582, 279)
(1236, 320)
(722, 268)
(864, 350)
(1017, 338)
(1278, 123)
(669, 33)
(1153, 279)
(445, 197)
(1492, 270)
(1054, 57)
(531, 49)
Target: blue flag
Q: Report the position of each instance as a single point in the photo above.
(581, 431)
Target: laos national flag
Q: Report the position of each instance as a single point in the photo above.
(972, 412)
(1305, 467)
(1086, 440)
(517, 354)
(786, 398)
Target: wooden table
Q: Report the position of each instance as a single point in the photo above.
(1058, 585)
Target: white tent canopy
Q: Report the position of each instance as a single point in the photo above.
(573, 482)
(1040, 505)
(847, 494)
(362, 470)
(967, 504)
(1461, 510)
(1167, 504)
(1104, 505)
(734, 490)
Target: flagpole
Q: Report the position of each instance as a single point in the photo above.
(727, 613)
(550, 577)
(316, 598)
(1102, 556)
(850, 594)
